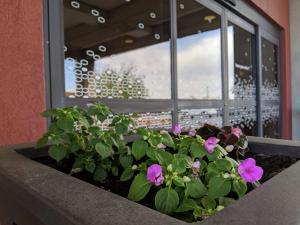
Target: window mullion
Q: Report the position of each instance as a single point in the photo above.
(224, 52)
(259, 83)
(174, 88)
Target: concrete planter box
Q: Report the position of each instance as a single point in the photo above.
(34, 194)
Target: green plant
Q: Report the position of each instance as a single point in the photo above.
(76, 133)
(190, 173)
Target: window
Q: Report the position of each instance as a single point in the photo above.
(242, 77)
(167, 61)
(117, 49)
(270, 90)
(198, 52)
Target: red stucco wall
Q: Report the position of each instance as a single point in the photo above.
(278, 11)
(22, 85)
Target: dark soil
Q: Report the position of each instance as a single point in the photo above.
(271, 165)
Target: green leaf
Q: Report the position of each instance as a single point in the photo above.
(212, 171)
(212, 167)
(167, 140)
(195, 189)
(150, 152)
(144, 132)
(208, 202)
(240, 187)
(65, 124)
(163, 157)
(139, 148)
(198, 212)
(84, 122)
(121, 128)
(74, 147)
(210, 175)
(42, 142)
(115, 171)
(197, 150)
(126, 160)
(203, 166)
(90, 166)
(103, 150)
(166, 200)
(178, 181)
(179, 166)
(127, 174)
(185, 142)
(78, 163)
(50, 112)
(186, 205)
(223, 164)
(139, 188)
(100, 174)
(57, 152)
(214, 156)
(154, 140)
(218, 187)
(224, 201)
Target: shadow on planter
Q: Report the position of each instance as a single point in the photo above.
(34, 194)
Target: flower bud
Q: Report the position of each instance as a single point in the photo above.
(186, 179)
(134, 167)
(220, 207)
(229, 148)
(170, 168)
(226, 175)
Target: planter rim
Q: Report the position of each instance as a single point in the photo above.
(58, 198)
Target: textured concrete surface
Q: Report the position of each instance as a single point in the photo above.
(22, 82)
(57, 199)
(32, 194)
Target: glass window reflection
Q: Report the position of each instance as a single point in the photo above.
(117, 49)
(198, 51)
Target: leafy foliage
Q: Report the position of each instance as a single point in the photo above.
(193, 180)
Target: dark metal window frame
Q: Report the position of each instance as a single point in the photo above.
(241, 14)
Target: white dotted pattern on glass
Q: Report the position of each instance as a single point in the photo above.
(195, 118)
(242, 80)
(244, 117)
(153, 120)
(117, 49)
(270, 90)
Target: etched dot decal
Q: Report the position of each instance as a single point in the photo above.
(75, 4)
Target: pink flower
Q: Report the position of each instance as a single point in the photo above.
(192, 133)
(196, 167)
(237, 132)
(249, 171)
(210, 144)
(155, 174)
(176, 129)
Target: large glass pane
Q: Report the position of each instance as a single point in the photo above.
(242, 78)
(117, 49)
(270, 90)
(198, 51)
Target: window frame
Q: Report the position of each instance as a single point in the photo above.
(242, 14)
